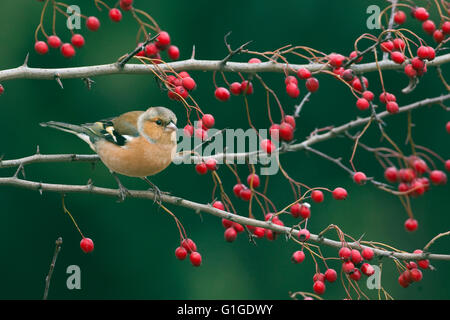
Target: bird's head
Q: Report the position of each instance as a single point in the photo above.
(158, 125)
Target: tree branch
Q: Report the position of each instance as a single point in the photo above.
(25, 72)
(198, 207)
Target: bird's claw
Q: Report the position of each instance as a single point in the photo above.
(123, 193)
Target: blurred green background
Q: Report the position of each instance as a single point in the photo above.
(134, 241)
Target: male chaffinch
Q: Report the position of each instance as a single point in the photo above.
(135, 144)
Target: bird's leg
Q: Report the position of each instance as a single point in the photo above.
(155, 190)
(123, 192)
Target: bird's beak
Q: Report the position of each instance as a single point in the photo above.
(171, 126)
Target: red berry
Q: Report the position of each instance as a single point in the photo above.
(188, 83)
(355, 275)
(54, 41)
(447, 163)
(348, 267)
(290, 79)
(304, 235)
(319, 287)
(163, 40)
(331, 275)
(319, 277)
(245, 194)
(259, 232)
(77, 40)
(400, 17)
(227, 223)
(420, 166)
(438, 36)
(367, 269)
(173, 52)
(290, 120)
(391, 174)
(356, 84)
(237, 189)
(367, 253)
(336, 60)
(295, 210)
(416, 275)
(429, 26)
(356, 256)
(438, 177)
(410, 71)
(230, 235)
(92, 23)
(201, 134)
(286, 131)
(387, 46)
(368, 95)
(274, 131)
(246, 87)
(404, 282)
(447, 127)
(298, 257)
(362, 104)
(348, 75)
(359, 177)
(218, 205)
(422, 52)
(339, 193)
(417, 63)
(399, 44)
(425, 263)
(211, 164)
(151, 50)
(254, 60)
(41, 47)
(421, 14)
(397, 57)
(345, 253)
(115, 14)
(87, 245)
(189, 245)
(392, 107)
(317, 196)
(268, 146)
(1, 89)
(238, 227)
(222, 94)
(407, 175)
(303, 73)
(126, 5)
(201, 168)
(196, 259)
(292, 90)
(183, 74)
(411, 224)
(354, 54)
(236, 88)
(180, 253)
(446, 27)
(253, 180)
(67, 50)
(208, 120)
(312, 84)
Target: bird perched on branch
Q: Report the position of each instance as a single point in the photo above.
(134, 144)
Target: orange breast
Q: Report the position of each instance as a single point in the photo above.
(139, 158)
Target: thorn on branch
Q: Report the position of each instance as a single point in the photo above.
(25, 62)
(58, 80)
(231, 52)
(121, 62)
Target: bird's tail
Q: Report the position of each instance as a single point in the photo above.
(67, 127)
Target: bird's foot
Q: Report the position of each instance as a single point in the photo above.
(157, 193)
(123, 193)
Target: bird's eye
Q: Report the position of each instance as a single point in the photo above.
(158, 122)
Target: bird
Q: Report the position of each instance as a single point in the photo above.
(134, 144)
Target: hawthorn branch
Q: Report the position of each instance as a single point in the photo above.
(198, 207)
(25, 72)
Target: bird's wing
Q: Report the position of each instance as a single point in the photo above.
(118, 130)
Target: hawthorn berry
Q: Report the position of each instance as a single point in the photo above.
(399, 44)
(92, 23)
(54, 41)
(368, 95)
(425, 263)
(392, 107)
(201, 134)
(339, 193)
(126, 5)
(237, 189)
(246, 87)
(290, 79)
(400, 17)
(391, 174)
(356, 257)
(312, 84)
(245, 194)
(218, 205)
(438, 36)
(238, 227)
(367, 253)
(254, 60)
(295, 210)
(236, 88)
(348, 266)
(428, 26)
(189, 245)
(77, 40)
(211, 164)
(253, 180)
(298, 257)
(348, 75)
(355, 275)
(387, 46)
(319, 287)
(227, 223)
(404, 282)
(406, 175)
(416, 275)
(331, 275)
(417, 63)
(151, 50)
(41, 47)
(356, 84)
(317, 196)
(222, 94)
(385, 97)
(420, 166)
(201, 168)
(354, 54)
(447, 127)
(274, 131)
(319, 277)
(181, 253)
(196, 259)
(1, 89)
(290, 120)
(345, 253)
(336, 60)
(359, 177)
(438, 177)
(163, 40)
(87, 245)
(411, 224)
(397, 57)
(286, 131)
(410, 71)
(259, 232)
(183, 74)
(447, 162)
(304, 235)
(421, 14)
(208, 120)
(188, 83)
(367, 269)
(292, 90)
(303, 73)
(268, 146)
(67, 50)
(230, 235)
(115, 14)
(362, 104)
(173, 52)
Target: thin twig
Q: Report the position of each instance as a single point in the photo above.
(48, 278)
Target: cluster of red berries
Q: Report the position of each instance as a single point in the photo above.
(201, 131)
(311, 84)
(87, 245)
(243, 192)
(162, 43)
(180, 85)
(412, 272)
(412, 181)
(231, 228)
(189, 246)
